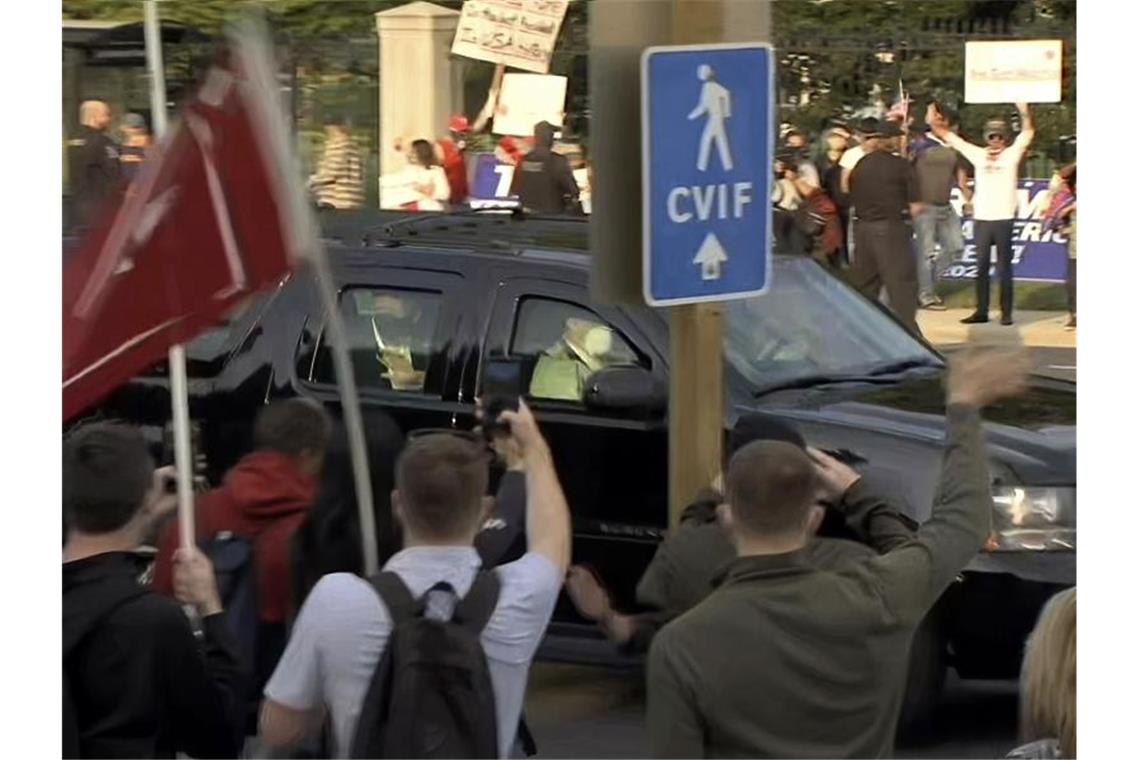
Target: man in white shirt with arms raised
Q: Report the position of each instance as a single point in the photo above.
(995, 201)
(343, 627)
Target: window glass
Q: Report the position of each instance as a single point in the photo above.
(568, 344)
(808, 324)
(391, 338)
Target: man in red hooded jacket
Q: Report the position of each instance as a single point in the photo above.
(264, 497)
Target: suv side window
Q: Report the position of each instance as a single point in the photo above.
(568, 343)
(391, 335)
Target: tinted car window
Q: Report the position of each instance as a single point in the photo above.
(567, 343)
(391, 338)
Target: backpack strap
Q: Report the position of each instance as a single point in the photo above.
(474, 610)
(396, 597)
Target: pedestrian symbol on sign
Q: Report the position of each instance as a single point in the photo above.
(716, 101)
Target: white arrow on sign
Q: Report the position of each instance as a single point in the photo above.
(710, 256)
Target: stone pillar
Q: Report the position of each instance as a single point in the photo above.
(418, 89)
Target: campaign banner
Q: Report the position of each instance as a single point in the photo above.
(518, 33)
(1027, 71)
(1037, 255)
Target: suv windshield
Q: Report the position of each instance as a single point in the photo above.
(812, 325)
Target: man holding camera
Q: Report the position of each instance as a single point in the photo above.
(795, 179)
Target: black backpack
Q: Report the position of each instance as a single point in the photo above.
(431, 694)
(113, 600)
(232, 558)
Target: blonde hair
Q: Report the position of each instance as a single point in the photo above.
(1049, 675)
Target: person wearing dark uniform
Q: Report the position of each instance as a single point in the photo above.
(543, 180)
(93, 159)
(884, 194)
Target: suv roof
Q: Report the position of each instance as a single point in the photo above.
(492, 231)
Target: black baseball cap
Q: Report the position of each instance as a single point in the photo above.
(757, 426)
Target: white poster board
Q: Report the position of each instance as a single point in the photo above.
(518, 33)
(1026, 71)
(527, 99)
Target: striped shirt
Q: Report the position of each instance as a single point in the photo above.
(339, 181)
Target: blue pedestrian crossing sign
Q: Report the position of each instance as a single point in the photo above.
(706, 141)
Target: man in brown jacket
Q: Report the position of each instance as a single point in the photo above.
(786, 660)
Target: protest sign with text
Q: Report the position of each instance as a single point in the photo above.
(1025, 71)
(519, 33)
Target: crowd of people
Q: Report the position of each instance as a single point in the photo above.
(291, 649)
(876, 201)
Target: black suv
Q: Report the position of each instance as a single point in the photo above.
(427, 298)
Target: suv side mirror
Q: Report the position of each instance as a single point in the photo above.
(625, 389)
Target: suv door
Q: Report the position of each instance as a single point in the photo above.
(408, 336)
(612, 465)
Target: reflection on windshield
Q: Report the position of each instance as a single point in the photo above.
(808, 324)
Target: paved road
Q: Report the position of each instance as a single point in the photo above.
(583, 712)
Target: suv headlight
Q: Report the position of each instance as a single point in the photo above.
(1034, 519)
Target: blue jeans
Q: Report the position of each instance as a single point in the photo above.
(935, 224)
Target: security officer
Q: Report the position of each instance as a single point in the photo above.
(543, 180)
(93, 159)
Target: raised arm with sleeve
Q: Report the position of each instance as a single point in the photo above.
(910, 578)
(975, 154)
(547, 514)
(1025, 136)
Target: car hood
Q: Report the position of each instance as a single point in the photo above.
(1031, 438)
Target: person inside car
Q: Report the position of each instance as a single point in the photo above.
(562, 370)
(398, 329)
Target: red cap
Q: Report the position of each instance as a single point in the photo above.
(458, 123)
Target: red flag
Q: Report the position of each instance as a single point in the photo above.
(215, 214)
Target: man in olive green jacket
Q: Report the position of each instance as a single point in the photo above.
(786, 660)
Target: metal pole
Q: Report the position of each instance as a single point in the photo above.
(152, 33)
(179, 398)
(353, 420)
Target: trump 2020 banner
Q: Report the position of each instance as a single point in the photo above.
(1037, 255)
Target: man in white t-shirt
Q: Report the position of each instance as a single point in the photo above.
(343, 627)
(995, 201)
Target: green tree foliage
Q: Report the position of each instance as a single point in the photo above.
(834, 54)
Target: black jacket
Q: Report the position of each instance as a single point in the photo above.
(544, 183)
(140, 683)
(93, 171)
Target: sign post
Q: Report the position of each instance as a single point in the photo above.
(706, 163)
(176, 357)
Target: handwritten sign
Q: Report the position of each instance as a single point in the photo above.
(1013, 72)
(518, 33)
